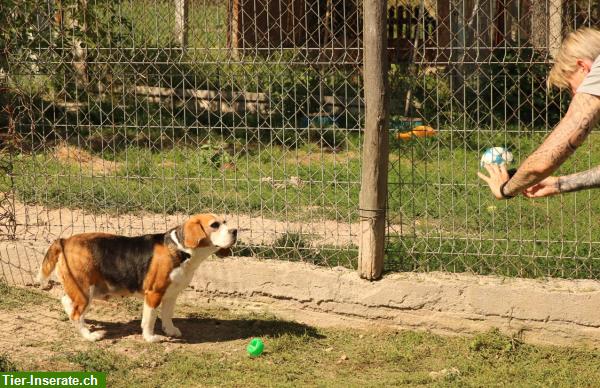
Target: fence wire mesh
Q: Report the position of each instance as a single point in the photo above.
(128, 116)
(478, 76)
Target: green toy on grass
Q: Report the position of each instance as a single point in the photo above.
(255, 347)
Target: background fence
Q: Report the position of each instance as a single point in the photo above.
(128, 116)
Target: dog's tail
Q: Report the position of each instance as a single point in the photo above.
(49, 262)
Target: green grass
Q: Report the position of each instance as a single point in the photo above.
(13, 298)
(6, 364)
(192, 180)
(515, 258)
(298, 355)
(98, 360)
(438, 209)
(447, 223)
(297, 247)
(380, 359)
(153, 23)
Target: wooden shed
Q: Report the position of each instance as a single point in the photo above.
(308, 24)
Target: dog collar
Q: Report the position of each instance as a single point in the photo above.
(179, 246)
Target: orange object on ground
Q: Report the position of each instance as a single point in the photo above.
(419, 131)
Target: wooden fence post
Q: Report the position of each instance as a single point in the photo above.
(181, 22)
(373, 193)
(546, 25)
(555, 22)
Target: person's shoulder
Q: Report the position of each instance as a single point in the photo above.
(591, 82)
(594, 73)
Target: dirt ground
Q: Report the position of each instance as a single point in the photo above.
(40, 331)
(37, 221)
(74, 155)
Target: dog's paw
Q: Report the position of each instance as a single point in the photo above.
(92, 335)
(172, 331)
(97, 335)
(152, 338)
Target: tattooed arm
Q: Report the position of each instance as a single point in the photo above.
(569, 134)
(584, 180)
(565, 184)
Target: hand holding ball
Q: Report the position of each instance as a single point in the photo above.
(501, 157)
(496, 155)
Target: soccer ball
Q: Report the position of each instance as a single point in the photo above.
(496, 155)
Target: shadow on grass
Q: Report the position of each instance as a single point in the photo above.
(200, 330)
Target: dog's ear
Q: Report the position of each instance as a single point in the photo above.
(194, 235)
(223, 252)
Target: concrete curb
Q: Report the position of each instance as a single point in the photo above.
(555, 311)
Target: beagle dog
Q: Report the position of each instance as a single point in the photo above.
(155, 266)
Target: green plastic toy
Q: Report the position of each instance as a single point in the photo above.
(255, 347)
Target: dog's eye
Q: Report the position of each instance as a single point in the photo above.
(215, 225)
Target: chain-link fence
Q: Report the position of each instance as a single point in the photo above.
(480, 80)
(127, 116)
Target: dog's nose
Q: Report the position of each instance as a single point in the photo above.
(234, 232)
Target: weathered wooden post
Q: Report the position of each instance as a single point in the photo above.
(546, 25)
(373, 193)
(555, 20)
(181, 22)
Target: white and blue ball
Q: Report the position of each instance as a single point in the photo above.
(496, 155)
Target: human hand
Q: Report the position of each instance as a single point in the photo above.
(498, 175)
(545, 188)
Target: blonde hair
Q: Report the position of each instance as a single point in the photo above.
(583, 43)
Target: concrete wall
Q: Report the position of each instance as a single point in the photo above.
(561, 312)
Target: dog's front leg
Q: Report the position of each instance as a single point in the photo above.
(166, 317)
(151, 301)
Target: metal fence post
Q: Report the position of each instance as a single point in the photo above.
(373, 192)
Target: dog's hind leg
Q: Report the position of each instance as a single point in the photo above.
(76, 305)
(83, 329)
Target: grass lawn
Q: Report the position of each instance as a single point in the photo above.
(253, 179)
(213, 351)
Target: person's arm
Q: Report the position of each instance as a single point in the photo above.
(569, 134)
(580, 181)
(589, 179)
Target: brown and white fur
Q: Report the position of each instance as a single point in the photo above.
(156, 267)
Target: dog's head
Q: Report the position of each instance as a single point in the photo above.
(208, 230)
